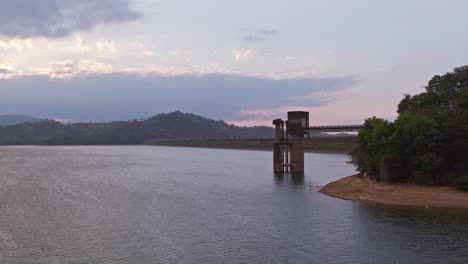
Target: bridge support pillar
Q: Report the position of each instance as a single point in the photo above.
(297, 153)
(280, 148)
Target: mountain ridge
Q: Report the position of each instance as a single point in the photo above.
(15, 119)
(174, 125)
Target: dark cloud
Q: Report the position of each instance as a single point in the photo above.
(4, 71)
(116, 96)
(259, 35)
(59, 18)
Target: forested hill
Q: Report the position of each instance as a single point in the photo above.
(175, 125)
(7, 120)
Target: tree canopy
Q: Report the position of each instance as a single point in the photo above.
(427, 143)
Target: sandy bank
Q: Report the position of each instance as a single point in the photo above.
(360, 189)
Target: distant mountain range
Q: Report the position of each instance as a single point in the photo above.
(8, 120)
(175, 125)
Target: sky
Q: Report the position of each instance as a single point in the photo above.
(245, 62)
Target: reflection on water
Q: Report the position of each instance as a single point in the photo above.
(418, 235)
(292, 178)
(175, 205)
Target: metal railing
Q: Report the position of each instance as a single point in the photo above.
(335, 128)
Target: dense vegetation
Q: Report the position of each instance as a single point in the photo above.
(427, 143)
(174, 125)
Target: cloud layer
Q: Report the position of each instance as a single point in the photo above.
(243, 55)
(59, 18)
(108, 96)
(258, 35)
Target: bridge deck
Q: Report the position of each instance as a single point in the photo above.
(343, 128)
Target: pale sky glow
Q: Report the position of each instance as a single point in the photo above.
(246, 62)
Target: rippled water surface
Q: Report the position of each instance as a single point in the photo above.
(176, 205)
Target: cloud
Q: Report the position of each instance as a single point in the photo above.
(337, 106)
(18, 44)
(6, 74)
(4, 45)
(240, 55)
(69, 68)
(114, 96)
(8, 70)
(106, 46)
(60, 18)
(81, 43)
(28, 43)
(174, 52)
(259, 35)
(148, 53)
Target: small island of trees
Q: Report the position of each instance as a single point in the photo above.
(428, 141)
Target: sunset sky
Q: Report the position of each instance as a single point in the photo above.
(246, 62)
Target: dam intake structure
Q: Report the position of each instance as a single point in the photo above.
(288, 148)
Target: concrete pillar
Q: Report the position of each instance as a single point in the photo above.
(298, 122)
(297, 153)
(278, 147)
(278, 158)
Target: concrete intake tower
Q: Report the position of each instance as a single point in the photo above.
(288, 147)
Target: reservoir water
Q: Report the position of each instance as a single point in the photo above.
(145, 204)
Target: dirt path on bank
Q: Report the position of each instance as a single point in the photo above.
(360, 189)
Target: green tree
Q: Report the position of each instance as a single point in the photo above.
(373, 146)
(427, 143)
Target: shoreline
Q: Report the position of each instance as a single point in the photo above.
(358, 189)
(330, 152)
(251, 149)
(325, 144)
